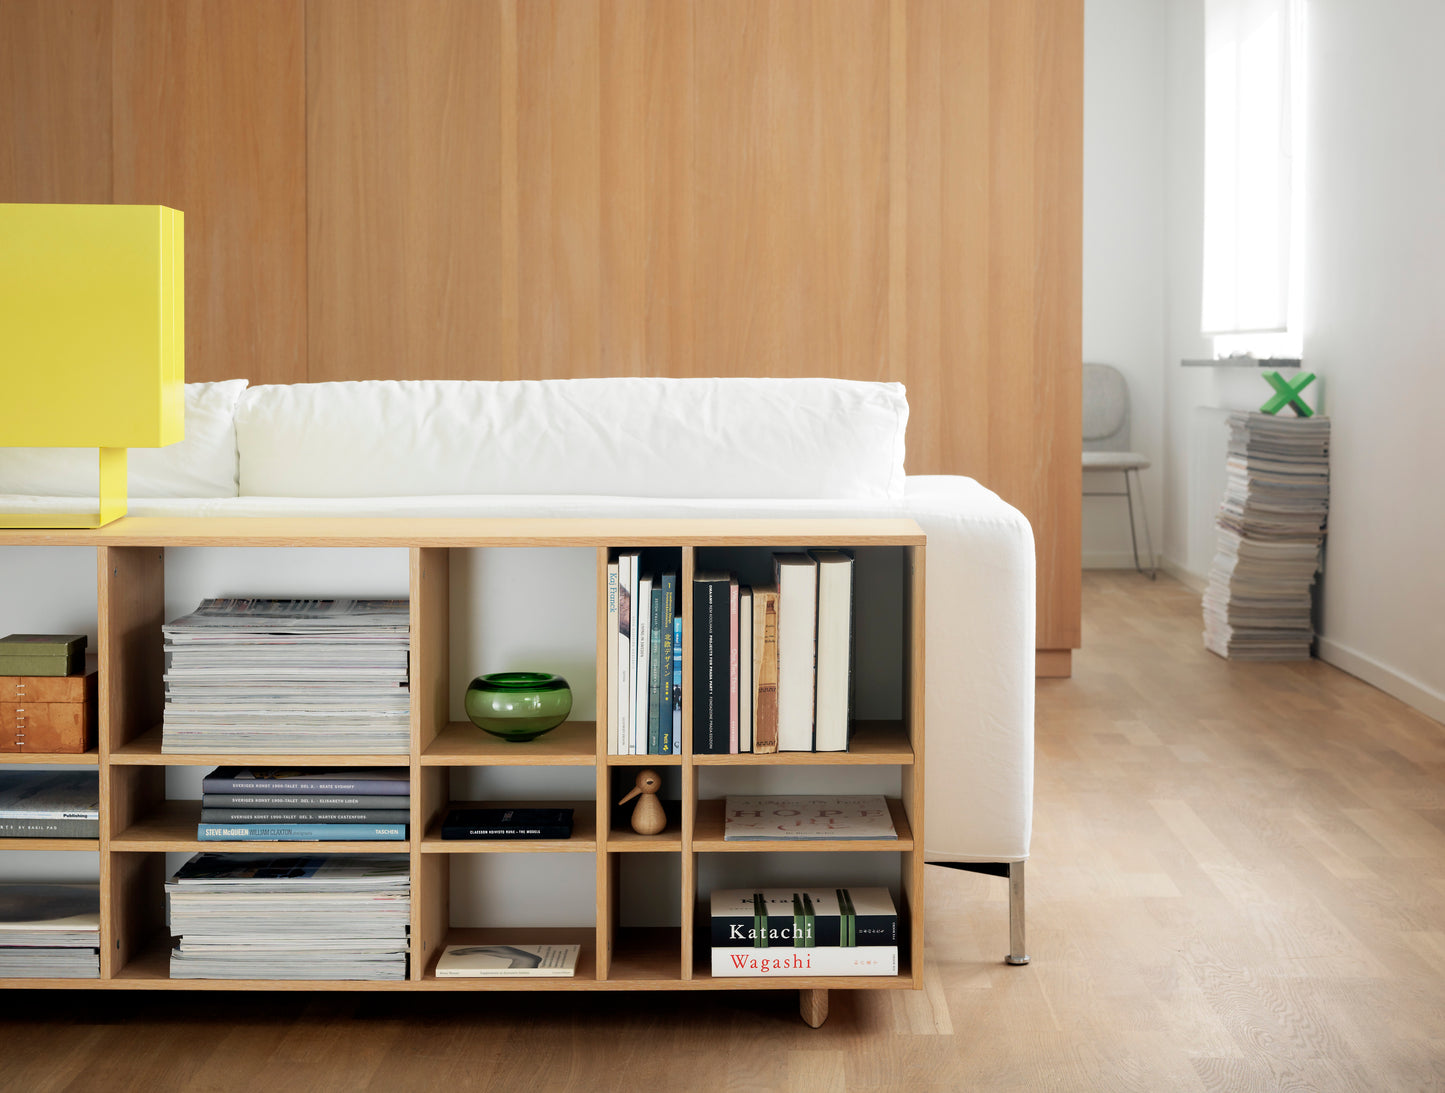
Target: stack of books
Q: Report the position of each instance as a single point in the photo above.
(1271, 522)
(305, 804)
(644, 658)
(771, 665)
(263, 916)
(308, 677)
(812, 931)
(49, 805)
(49, 931)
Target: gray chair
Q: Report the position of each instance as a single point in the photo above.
(1106, 445)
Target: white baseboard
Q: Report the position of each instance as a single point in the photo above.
(1188, 578)
(1109, 559)
(1429, 702)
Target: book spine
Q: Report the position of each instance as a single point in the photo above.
(797, 580)
(281, 786)
(654, 675)
(765, 709)
(835, 633)
(642, 640)
(797, 930)
(262, 801)
(622, 743)
(858, 960)
(49, 828)
(745, 669)
(546, 832)
(666, 664)
(611, 652)
(272, 817)
(677, 685)
(733, 695)
(709, 667)
(300, 832)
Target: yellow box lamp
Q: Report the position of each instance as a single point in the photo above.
(92, 338)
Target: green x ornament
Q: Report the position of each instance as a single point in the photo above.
(1287, 393)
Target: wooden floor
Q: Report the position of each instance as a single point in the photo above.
(1238, 882)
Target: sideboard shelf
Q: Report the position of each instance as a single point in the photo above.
(447, 760)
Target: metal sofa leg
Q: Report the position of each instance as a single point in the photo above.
(1014, 871)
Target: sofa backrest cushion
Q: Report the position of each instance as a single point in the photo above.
(626, 436)
(201, 465)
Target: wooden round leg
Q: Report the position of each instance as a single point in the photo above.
(813, 1005)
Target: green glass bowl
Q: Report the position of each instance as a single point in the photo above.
(518, 706)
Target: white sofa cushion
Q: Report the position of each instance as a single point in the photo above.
(201, 465)
(637, 437)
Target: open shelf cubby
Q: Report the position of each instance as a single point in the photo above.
(632, 902)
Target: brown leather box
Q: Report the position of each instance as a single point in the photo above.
(48, 713)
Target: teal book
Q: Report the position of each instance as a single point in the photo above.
(300, 832)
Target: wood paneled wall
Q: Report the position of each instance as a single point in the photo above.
(872, 189)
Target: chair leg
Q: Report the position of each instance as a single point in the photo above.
(1133, 537)
(1143, 515)
(1017, 950)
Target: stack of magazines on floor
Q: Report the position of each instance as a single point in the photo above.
(259, 676)
(305, 804)
(1271, 527)
(49, 931)
(266, 916)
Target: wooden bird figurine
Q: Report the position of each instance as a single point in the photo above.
(648, 817)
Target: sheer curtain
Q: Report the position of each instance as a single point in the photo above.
(1251, 211)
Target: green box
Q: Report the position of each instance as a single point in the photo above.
(42, 654)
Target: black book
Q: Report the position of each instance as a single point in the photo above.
(508, 823)
(711, 651)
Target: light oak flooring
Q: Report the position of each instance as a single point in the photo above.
(1238, 882)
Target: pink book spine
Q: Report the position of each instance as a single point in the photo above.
(733, 666)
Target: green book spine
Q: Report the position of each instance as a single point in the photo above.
(760, 921)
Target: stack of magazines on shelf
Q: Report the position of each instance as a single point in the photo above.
(49, 804)
(49, 931)
(273, 676)
(771, 664)
(1271, 527)
(305, 804)
(265, 916)
(644, 658)
(804, 931)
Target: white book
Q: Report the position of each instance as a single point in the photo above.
(815, 817)
(496, 961)
(797, 581)
(642, 672)
(745, 669)
(611, 653)
(835, 640)
(622, 712)
(820, 960)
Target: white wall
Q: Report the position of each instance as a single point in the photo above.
(1374, 283)
(1124, 247)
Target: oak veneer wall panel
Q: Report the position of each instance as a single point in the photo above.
(209, 118)
(791, 192)
(404, 189)
(622, 178)
(1058, 336)
(55, 89)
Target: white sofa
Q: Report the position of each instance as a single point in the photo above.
(640, 447)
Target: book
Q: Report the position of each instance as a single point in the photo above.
(49, 931)
(709, 663)
(508, 823)
(49, 804)
(496, 961)
(667, 664)
(745, 669)
(835, 647)
(642, 641)
(797, 580)
(611, 652)
(654, 673)
(305, 800)
(802, 918)
(305, 816)
(734, 697)
(622, 716)
(389, 781)
(859, 960)
(300, 832)
(817, 817)
(677, 685)
(765, 669)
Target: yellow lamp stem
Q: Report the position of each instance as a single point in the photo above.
(112, 501)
